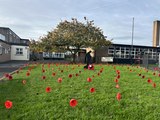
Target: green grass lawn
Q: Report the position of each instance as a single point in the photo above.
(139, 99)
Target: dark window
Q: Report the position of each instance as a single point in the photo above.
(19, 51)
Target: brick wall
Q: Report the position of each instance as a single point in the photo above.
(5, 54)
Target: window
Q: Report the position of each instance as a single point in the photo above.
(127, 56)
(5, 51)
(117, 48)
(154, 50)
(111, 51)
(2, 37)
(1, 50)
(19, 51)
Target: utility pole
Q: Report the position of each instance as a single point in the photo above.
(159, 60)
(132, 40)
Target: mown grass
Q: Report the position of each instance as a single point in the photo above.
(140, 100)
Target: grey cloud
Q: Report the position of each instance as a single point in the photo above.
(33, 18)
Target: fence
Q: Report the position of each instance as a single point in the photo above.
(151, 63)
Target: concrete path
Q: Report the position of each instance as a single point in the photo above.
(10, 66)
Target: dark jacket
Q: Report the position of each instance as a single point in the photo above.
(88, 58)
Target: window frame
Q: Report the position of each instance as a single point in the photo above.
(19, 51)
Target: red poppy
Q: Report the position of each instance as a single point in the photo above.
(117, 86)
(27, 74)
(98, 74)
(10, 77)
(91, 67)
(73, 102)
(77, 74)
(8, 104)
(49, 65)
(101, 71)
(43, 77)
(118, 72)
(24, 82)
(118, 96)
(6, 75)
(118, 76)
(154, 85)
(155, 68)
(70, 75)
(48, 89)
(89, 79)
(92, 90)
(53, 74)
(143, 76)
(159, 75)
(59, 80)
(116, 80)
(43, 70)
(149, 80)
(130, 70)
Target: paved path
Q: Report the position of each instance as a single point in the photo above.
(10, 66)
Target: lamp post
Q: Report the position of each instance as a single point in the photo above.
(158, 53)
(132, 40)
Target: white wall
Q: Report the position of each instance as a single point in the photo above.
(24, 56)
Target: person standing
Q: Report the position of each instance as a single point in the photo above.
(88, 59)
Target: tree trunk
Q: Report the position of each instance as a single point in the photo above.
(74, 58)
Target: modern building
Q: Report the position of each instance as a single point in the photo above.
(5, 51)
(12, 47)
(120, 53)
(156, 33)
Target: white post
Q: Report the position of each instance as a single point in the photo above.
(159, 60)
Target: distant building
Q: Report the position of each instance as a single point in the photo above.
(121, 53)
(5, 51)
(156, 33)
(12, 47)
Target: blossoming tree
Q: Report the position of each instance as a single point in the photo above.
(74, 35)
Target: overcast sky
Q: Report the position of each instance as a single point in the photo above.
(33, 18)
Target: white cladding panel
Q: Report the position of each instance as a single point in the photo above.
(19, 52)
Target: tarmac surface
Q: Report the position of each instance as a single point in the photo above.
(10, 66)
